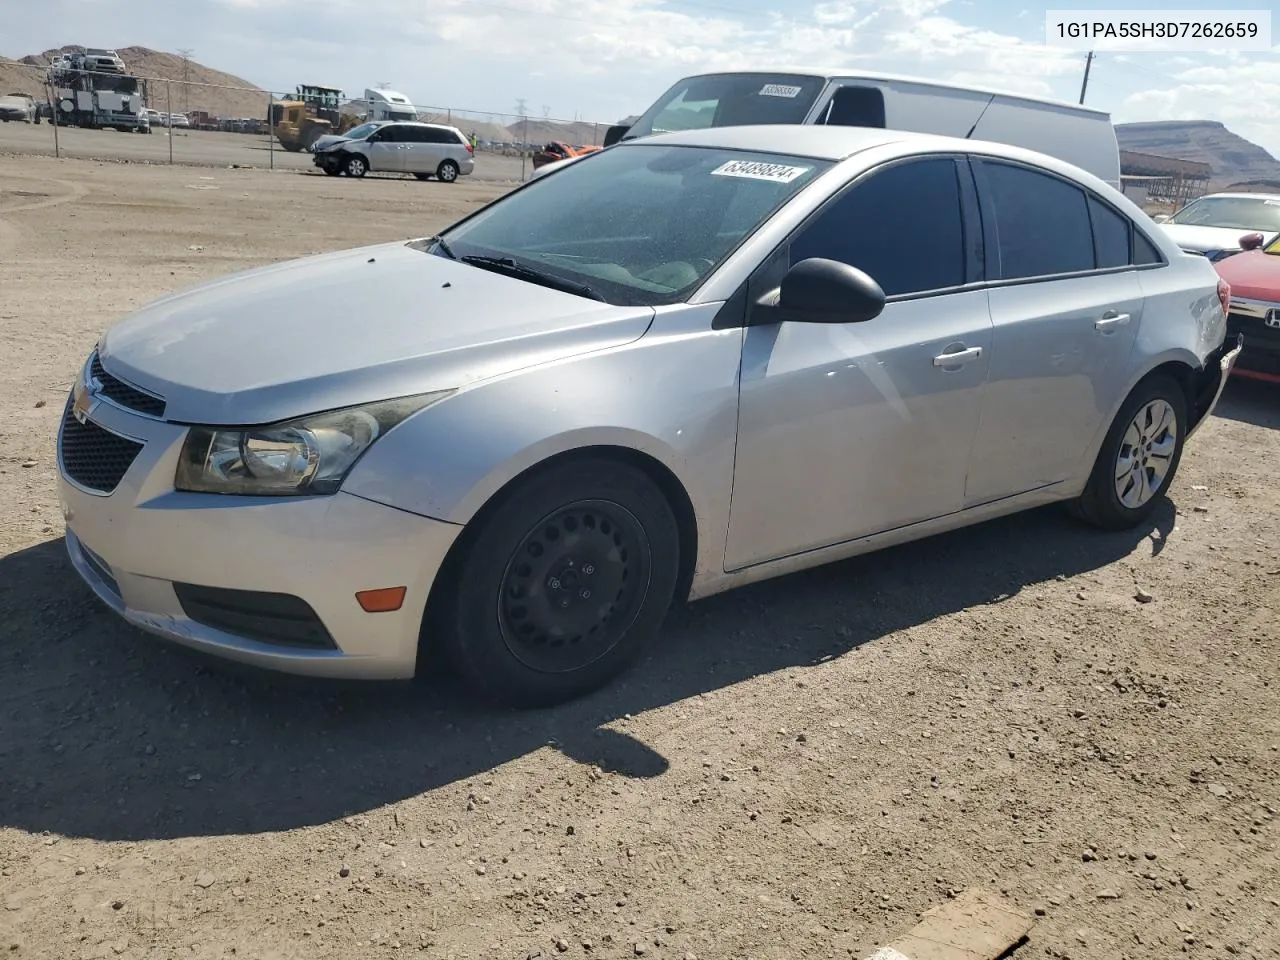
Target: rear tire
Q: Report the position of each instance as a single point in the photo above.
(1139, 457)
(561, 586)
(448, 171)
(355, 166)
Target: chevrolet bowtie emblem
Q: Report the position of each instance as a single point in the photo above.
(83, 401)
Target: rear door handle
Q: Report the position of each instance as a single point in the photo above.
(1110, 320)
(960, 356)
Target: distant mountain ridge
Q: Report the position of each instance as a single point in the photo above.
(1232, 158)
(219, 98)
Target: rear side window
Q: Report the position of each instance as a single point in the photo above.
(1144, 251)
(903, 226)
(856, 107)
(1110, 235)
(1042, 223)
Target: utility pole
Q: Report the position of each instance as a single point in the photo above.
(186, 53)
(1088, 62)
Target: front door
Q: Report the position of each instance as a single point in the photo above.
(848, 430)
(1066, 315)
(385, 150)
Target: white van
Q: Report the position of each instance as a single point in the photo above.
(1078, 135)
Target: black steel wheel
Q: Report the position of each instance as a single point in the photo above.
(558, 586)
(574, 585)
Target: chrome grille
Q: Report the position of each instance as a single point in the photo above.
(116, 390)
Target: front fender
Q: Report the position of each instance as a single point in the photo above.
(671, 395)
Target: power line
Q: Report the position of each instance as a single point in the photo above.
(185, 53)
(1084, 84)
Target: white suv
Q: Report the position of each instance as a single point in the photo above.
(103, 61)
(423, 149)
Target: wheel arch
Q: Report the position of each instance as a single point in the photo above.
(653, 468)
(1183, 366)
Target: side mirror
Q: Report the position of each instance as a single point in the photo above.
(1251, 241)
(615, 133)
(827, 291)
(1161, 218)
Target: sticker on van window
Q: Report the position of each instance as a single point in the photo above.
(777, 172)
(779, 90)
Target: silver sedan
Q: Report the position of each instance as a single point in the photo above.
(683, 364)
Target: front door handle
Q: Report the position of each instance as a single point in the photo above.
(960, 356)
(1110, 320)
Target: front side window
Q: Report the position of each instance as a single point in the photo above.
(730, 100)
(902, 226)
(1042, 223)
(639, 224)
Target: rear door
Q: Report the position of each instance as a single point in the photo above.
(420, 149)
(1066, 303)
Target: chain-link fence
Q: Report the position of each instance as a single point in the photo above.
(94, 108)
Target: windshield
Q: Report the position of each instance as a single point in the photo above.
(1236, 213)
(362, 131)
(730, 100)
(639, 224)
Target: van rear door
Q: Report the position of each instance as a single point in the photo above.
(1084, 138)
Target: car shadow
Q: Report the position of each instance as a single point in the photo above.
(111, 734)
(1250, 401)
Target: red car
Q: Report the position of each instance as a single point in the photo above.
(1254, 276)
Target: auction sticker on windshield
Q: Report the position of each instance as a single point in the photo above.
(779, 90)
(754, 170)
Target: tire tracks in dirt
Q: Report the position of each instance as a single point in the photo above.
(10, 232)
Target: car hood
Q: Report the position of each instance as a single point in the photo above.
(346, 328)
(1205, 239)
(1253, 275)
(328, 140)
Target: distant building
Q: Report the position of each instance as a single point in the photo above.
(1147, 178)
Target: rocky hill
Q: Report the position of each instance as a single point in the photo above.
(230, 96)
(1232, 158)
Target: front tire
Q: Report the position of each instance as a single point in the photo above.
(1139, 457)
(356, 166)
(561, 586)
(447, 172)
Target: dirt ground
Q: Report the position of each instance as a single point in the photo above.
(798, 770)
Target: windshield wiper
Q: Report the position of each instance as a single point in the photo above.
(524, 272)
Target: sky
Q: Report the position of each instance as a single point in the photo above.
(602, 60)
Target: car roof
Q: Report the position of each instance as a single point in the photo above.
(1248, 194)
(845, 73)
(819, 142)
(815, 141)
(417, 123)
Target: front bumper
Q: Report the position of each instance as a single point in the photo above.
(1252, 319)
(144, 548)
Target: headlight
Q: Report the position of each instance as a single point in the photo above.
(308, 456)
